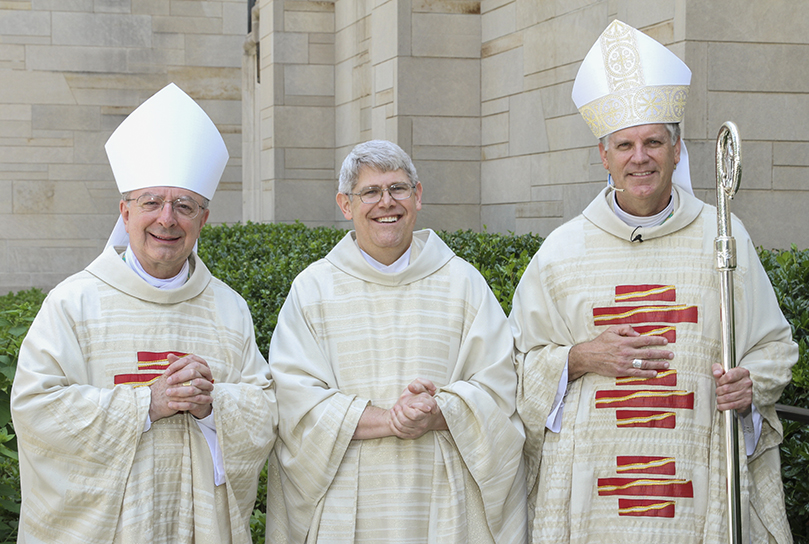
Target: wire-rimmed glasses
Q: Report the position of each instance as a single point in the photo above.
(184, 206)
(373, 194)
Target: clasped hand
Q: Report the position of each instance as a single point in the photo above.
(185, 386)
(416, 411)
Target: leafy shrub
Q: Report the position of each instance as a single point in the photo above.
(17, 311)
(261, 260)
(789, 274)
(500, 258)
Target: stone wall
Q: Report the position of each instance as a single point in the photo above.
(478, 92)
(70, 71)
(510, 152)
(540, 165)
(334, 74)
(748, 60)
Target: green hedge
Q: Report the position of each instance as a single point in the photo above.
(260, 261)
(17, 311)
(789, 274)
(270, 256)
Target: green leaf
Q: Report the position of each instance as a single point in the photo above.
(18, 331)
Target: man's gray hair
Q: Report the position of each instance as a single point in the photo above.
(381, 155)
(673, 128)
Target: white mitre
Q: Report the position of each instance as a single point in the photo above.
(168, 141)
(628, 79)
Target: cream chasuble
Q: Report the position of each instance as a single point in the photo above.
(644, 459)
(89, 473)
(349, 335)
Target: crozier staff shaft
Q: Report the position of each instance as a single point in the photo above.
(728, 177)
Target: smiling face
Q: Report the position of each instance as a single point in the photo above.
(641, 161)
(384, 229)
(162, 240)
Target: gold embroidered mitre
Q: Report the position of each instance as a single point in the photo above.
(629, 79)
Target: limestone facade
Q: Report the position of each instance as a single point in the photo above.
(479, 94)
(70, 72)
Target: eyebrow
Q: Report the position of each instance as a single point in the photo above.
(394, 183)
(164, 196)
(644, 141)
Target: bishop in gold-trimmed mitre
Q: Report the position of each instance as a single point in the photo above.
(628, 79)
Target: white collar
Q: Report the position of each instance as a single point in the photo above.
(397, 266)
(645, 221)
(169, 283)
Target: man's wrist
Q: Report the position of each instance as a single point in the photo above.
(374, 423)
(576, 367)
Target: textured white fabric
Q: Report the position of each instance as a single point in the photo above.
(566, 296)
(168, 283)
(89, 473)
(634, 73)
(349, 336)
(647, 221)
(397, 266)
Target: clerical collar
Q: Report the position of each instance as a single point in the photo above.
(397, 266)
(170, 283)
(647, 221)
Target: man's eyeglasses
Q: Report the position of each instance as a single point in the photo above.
(184, 206)
(397, 191)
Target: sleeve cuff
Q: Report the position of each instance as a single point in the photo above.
(554, 421)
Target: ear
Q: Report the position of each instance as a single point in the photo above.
(603, 153)
(124, 208)
(419, 190)
(677, 148)
(205, 215)
(344, 202)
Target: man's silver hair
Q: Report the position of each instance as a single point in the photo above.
(381, 155)
(673, 128)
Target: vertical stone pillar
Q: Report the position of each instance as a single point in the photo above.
(437, 106)
(296, 112)
(254, 200)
